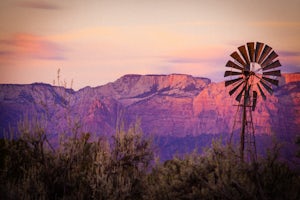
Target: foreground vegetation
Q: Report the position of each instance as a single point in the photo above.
(124, 167)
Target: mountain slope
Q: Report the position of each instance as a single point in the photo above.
(177, 106)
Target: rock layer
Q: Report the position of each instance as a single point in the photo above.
(167, 105)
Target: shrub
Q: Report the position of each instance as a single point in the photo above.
(219, 174)
(78, 168)
(122, 167)
(119, 172)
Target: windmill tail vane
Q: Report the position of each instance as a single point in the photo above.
(252, 73)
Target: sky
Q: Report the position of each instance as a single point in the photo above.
(94, 42)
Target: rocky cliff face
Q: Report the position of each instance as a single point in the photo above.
(167, 105)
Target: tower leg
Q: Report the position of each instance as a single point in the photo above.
(244, 122)
(242, 140)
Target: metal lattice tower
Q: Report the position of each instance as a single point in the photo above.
(251, 71)
(243, 125)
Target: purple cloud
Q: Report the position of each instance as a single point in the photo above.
(290, 68)
(289, 53)
(39, 5)
(185, 60)
(193, 60)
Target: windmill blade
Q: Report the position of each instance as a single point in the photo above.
(254, 100)
(250, 46)
(272, 81)
(261, 92)
(235, 88)
(264, 54)
(239, 96)
(265, 74)
(233, 65)
(229, 82)
(268, 88)
(272, 73)
(258, 49)
(237, 57)
(232, 73)
(243, 51)
(269, 59)
(272, 65)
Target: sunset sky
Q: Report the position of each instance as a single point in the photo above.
(97, 41)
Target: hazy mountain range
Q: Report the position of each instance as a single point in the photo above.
(178, 109)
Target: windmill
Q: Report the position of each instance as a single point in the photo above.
(251, 75)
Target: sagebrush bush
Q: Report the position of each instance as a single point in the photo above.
(123, 167)
(219, 174)
(78, 168)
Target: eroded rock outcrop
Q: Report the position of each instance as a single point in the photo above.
(167, 105)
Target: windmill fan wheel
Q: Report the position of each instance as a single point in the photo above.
(252, 71)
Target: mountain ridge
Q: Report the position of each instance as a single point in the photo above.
(175, 104)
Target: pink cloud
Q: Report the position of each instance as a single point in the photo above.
(28, 46)
(278, 24)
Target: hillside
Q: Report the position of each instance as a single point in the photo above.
(168, 106)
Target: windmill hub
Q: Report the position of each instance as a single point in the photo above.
(255, 67)
(253, 72)
(246, 73)
(252, 69)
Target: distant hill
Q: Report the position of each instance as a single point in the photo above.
(174, 106)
